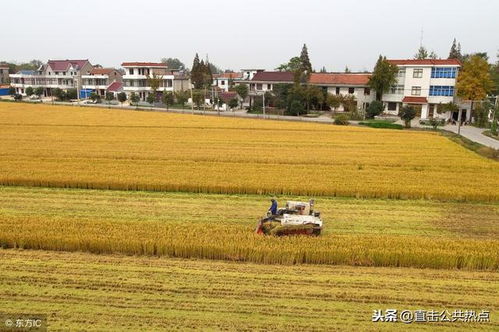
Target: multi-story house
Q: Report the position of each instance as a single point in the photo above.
(62, 74)
(424, 84)
(347, 84)
(4, 74)
(101, 81)
(224, 81)
(139, 75)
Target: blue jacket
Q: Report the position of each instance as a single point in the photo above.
(273, 207)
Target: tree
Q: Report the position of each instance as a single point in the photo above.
(474, 81)
(196, 73)
(182, 97)
(383, 77)
(242, 91)
(71, 94)
(423, 53)
(95, 97)
(447, 107)
(281, 92)
(122, 97)
(333, 101)
(292, 65)
(323, 70)
(313, 96)
(296, 108)
(375, 108)
(455, 51)
(154, 81)
(233, 103)
(151, 98)
(39, 91)
(347, 70)
(482, 113)
(302, 75)
(407, 113)
(109, 96)
(18, 97)
(494, 74)
(58, 93)
(168, 99)
(198, 98)
(134, 98)
(29, 91)
(173, 63)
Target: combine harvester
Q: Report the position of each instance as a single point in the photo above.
(295, 218)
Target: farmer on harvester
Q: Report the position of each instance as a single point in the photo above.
(273, 207)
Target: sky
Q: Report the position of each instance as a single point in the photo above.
(245, 34)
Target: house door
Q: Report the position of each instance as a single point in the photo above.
(431, 110)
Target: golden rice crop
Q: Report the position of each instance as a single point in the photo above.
(115, 292)
(58, 146)
(357, 232)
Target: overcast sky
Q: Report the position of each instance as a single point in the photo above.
(244, 34)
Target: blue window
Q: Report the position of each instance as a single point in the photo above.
(443, 72)
(442, 90)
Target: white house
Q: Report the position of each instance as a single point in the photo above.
(424, 84)
(224, 81)
(62, 74)
(138, 74)
(102, 80)
(353, 84)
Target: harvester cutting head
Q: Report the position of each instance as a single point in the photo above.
(295, 218)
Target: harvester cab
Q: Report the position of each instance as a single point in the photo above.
(295, 218)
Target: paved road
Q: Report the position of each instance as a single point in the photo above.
(474, 134)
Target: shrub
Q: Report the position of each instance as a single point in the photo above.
(18, 97)
(381, 124)
(375, 108)
(341, 120)
(296, 108)
(29, 91)
(407, 113)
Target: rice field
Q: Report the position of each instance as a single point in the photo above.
(359, 232)
(72, 147)
(79, 291)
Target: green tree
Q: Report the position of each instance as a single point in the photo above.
(151, 98)
(71, 94)
(233, 103)
(314, 96)
(407, 113)
(333, 101)
(197, 75)
(447, 107)
(482, 113)
(95, 97)
(29, 91)
(134, 98)
(383, 77)
(375, 108)
(292, 65)
(198, 98)
(168, 99)
(173, 63)
(39, 91)
(154, 81)
(474, 81)
(109, 96)
(296, 108)
(18, 97)
(455, 51)
(281, 92)
(182, 97)
(494, 74)
(58, 93)
(305, 65)
(323, 70)
(242, 91)
(122, 97)
(423, 53)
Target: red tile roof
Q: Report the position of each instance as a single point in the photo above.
(229, 75)
(340, 79)
(102, 71)
(144, 64)
(415, 100)
(115, 87)
(60, 65)
(426, 62)
(4, 66)
(274, 76)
